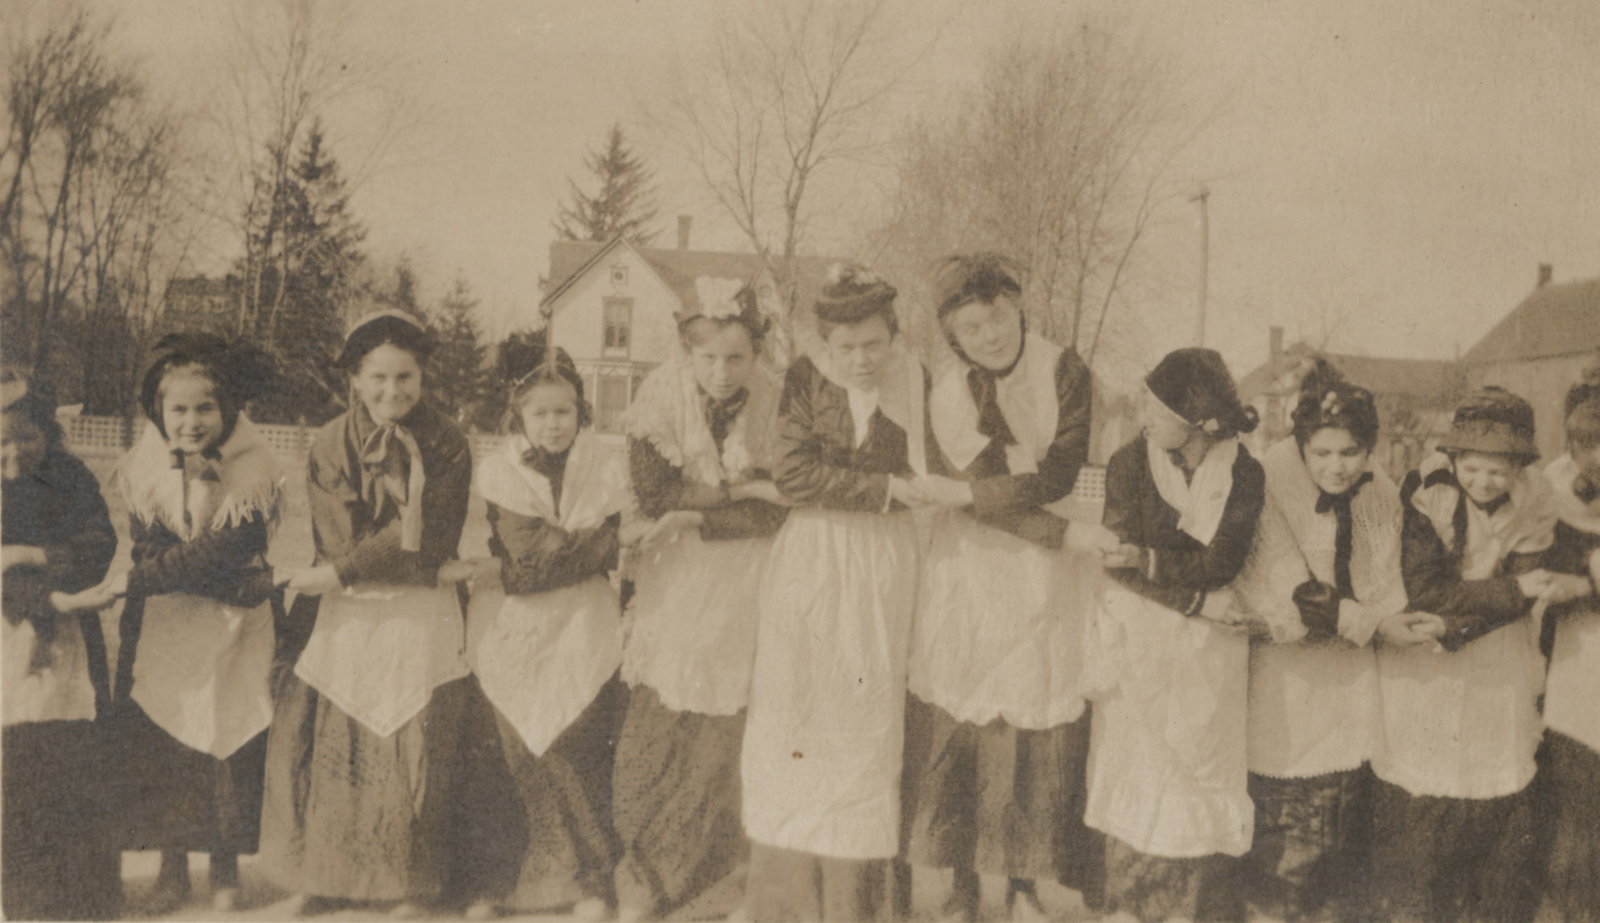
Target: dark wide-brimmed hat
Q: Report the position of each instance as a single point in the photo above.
(379, 327)
(853, 293)
(967, 277)
(1493, 421)
(1195, 384)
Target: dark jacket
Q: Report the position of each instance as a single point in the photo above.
(537, 555)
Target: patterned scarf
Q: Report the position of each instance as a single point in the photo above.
(391, 473)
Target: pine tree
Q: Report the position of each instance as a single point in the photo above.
(624, 203)
(459, 380)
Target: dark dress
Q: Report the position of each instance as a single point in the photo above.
(350, 814)
(676, 788)
(60, 861)
(172, 796)
(555, 844)
(1459, 858)
(1177, 573)
(996, 797)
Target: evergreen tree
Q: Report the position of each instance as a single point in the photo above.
(460, 381)
(624, 203)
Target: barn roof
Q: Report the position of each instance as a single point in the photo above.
(1432, 381)
(1556, 320)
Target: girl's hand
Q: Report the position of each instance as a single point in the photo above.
(633, 531)
(673, 524)
(1534, 583)
(765, 491)
(93, 599)
(1407, 629)
(465, 569)
(313, 581)
(22, 556)
(1123, 556)
(1093, 537)
(1564, 587)
(943, 491)
(1222, 607)
(907, 493)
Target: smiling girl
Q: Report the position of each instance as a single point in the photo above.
(701, 446)
(192, 693)
(369, 725)
(1324, 576)
(546, 643)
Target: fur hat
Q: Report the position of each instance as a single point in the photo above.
(376, 328)
(967, 277)
(1195, 384)
(1493, 421)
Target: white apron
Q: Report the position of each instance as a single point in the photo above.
(202, 671)
(691, 626)
(61, 691)
(1167, 765)
(1000, 621)
(541, 658)
(379, 651)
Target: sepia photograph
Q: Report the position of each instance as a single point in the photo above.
(800, 461)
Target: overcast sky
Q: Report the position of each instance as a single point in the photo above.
(1395, 169)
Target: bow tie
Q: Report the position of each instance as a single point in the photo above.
(1493, 506)
(550, 464)
(1327, 501)
(720, 414)
(391, 463)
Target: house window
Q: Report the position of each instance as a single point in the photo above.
(618, 314)
(611, 402)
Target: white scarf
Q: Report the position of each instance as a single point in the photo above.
(221, 493)
(1523, 525)
(1201, 500)
(592, 488)
(899, 396)
(669, 413)
(1027, 399)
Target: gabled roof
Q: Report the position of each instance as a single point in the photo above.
(1556, 320)
(1432, 381)
(571, 259)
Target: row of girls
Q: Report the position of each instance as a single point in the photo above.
(1315, 694)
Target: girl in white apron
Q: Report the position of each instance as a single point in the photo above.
(1167, 776)
(368, 730)
(546, 642)
(1324, 578)
(1571, 760)
(60, 860)
(701, 442)
(826, 720)
(197, 638)
(997, 733)
(1453, 812)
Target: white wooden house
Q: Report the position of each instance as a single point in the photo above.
(614, 307)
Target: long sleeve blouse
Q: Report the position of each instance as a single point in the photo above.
(1013, 502)
(363, 548)
(1432, 573)
(661, 487)
(1178, 570)
(819, 462)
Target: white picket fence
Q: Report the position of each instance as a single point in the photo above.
(109, 437)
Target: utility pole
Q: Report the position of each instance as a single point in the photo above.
(1203, 196)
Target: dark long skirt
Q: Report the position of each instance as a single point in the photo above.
(550, 842)
(998, 799)
(1311, 838)
(352, 815)
(1452, 858)
(59, 861)
(1570, 815)
(170, 795)
(1154, 888)
(787, 886)
(676, 797)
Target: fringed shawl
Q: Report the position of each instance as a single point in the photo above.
(242, 480)
(669, 413)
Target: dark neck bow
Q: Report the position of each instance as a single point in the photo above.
(391, 473)
(553, 465)
(984, 384)
(1493, 506)
(180, 462)
(720, 414)
(1344, 533)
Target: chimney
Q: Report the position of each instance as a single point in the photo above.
(683, 231)
(1544, 275)
(1275, 345)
